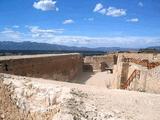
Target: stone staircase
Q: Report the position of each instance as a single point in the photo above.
(134, 75)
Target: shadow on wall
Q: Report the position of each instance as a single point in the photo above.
(83, 77)
(4, 67)
(124, 74)
(62, 67)
(87, 67)
(115, 57)
(103, 66)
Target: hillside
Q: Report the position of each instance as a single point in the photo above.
(9, 45)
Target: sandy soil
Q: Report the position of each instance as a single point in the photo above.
(99, 79)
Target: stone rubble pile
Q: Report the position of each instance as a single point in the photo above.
(38, 101)
(24, 98)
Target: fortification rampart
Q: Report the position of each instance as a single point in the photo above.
(63, 67)
(96, 61)
(151, 57)
(148, 78)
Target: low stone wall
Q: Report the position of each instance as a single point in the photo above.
(63, 67)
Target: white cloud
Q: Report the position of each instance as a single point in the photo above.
(11, 34)
(115, 12)
(98, 7)
(36, 29)
(46, 33)
(133, 20)
(45, 5)
(140, 4)
(110, 11)
(68, 21)
(36, 34)
(102, 11)
(84, 41)
(15, 26)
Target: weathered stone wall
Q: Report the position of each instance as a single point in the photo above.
(149, 80)
(153, 80)
(117, 73)
(124, 73)
(137, 84)
(152, 57)
(96, 61)
(63, 67)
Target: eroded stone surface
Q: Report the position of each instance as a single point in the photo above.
(36, 99)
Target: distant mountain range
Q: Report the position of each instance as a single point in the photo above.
(155, 47)
(9, 45)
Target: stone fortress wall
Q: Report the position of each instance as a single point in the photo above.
(65, 67)
(152, 57)
(62, 67)
(96, 61)
(41, 99)
(149, 79)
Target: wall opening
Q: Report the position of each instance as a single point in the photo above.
(6, 67)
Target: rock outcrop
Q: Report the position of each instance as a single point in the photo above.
(24, 98)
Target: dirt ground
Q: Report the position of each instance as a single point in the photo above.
(99, 79)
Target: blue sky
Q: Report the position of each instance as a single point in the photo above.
(89, 23)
